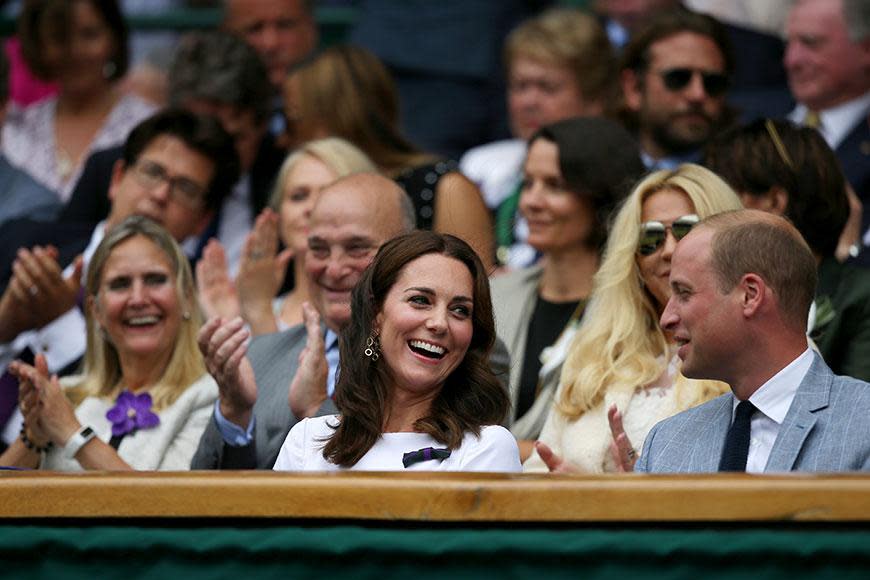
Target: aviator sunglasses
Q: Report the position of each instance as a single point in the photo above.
(653, 234)
(676, 79)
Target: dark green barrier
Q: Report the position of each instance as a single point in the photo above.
(164, 553)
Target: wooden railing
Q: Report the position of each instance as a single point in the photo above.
(438, 497)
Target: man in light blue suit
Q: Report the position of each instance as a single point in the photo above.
(743, 283)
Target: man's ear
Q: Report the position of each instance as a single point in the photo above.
(778, 200)
(753, 294)
(632, 90)
(118, 171)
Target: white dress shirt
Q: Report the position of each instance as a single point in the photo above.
(773, 400)
(836, 123)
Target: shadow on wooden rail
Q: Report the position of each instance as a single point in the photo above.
(443, 497)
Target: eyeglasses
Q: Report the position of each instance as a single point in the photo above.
(676, 79)
(653, 234)
(151, 175)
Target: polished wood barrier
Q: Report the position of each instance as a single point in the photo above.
(443, 497)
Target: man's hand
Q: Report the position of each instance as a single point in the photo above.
(308, 389)
(224, 344)
(621, 449)
(38, 293)
(555, 463)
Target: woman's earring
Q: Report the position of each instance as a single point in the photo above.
(185, 315)
(373, 346)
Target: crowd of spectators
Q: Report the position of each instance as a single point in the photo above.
(456, 239)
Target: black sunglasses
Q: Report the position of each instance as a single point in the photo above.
(676, 79)
(653, 234)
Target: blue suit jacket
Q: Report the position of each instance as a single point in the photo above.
(827, 428)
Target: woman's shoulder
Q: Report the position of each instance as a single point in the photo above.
(509, 281)
(492, 436)
(494, 449)
(200, 393)
(315, 427)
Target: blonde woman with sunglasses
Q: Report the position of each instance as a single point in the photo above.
(621, 374)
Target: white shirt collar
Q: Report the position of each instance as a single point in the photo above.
(837, 122)
(96, 238)
(775, 396)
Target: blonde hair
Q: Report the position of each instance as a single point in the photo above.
(102, 367)
(341, 156)
(570, 38)
(618, 346)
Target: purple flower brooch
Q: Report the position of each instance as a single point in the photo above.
(131, 413)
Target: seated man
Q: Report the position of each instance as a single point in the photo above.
(742, 287)
(351, 219)
(176, 169)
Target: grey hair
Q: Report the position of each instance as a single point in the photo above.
(220, 67)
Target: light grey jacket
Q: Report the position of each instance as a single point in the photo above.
(826, 429)
(514, 296)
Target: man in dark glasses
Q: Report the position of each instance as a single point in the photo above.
(742, 285)
(675, 74)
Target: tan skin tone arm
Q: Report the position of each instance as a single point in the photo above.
(459, 210)
(51, 414)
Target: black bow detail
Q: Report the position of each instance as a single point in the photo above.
(425, 454)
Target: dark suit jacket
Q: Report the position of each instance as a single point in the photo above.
(826, 429)
(842, 329)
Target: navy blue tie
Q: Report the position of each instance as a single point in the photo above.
(737, 442)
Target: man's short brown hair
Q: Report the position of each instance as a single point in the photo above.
(750, 241)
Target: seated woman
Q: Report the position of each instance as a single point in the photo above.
(790, 171)
(621, 374)
(307, 170)
(415, 389)
(346, 91)
(576, 172)
(81, 45)
(144, 397)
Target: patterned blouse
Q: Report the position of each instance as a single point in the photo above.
(29, 143)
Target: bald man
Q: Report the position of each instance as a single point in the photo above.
(742, 284)
(349, 222)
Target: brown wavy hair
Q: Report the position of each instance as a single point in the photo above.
(472, 395)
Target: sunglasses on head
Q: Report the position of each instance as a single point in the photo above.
(676, 79)
(653, 234)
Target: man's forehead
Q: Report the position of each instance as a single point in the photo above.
(692, 251)
(688, 49)
(169, 151)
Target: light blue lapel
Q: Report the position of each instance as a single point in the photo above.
(812, 395)
(713, 440)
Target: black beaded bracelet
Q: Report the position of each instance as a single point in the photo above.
(30, 444)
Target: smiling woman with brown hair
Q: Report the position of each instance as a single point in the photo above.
(415, 389)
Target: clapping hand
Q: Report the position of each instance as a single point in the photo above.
(308, 389)
(48, 414)
(38, 292)
(217, 291)
(224, 345)
(261, 272)
(621, 449)
(555, 463)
